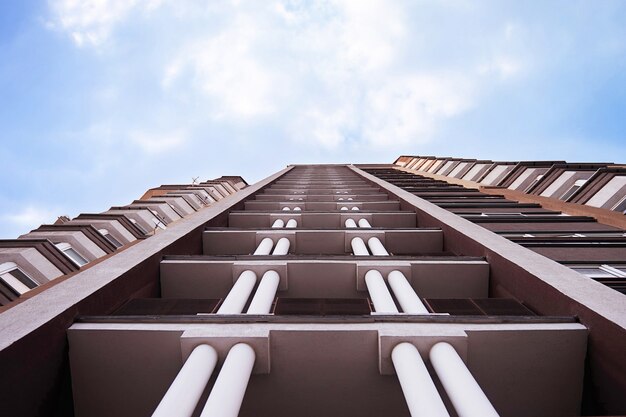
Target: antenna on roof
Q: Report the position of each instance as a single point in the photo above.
(194, 181)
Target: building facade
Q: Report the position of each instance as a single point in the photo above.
(332, 290)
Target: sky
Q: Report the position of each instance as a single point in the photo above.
(102, 99)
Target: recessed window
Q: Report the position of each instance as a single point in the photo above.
(112, 240)
(601, 271)
(621, 206)
(140, 227)
(158, 223)
(13, 281)
(158, 220)
(505, 214)
(532, 184)
(572, 190)
(72, 254)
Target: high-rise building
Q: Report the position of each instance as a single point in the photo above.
(338, 290)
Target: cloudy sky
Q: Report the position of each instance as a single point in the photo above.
(102, 99)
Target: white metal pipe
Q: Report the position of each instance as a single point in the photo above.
(230, 387)
(350, 223)
(282, 246)
(265, 293)
(292, 224)
(376, 247)
(358, 246)
(297, 209)
(418, 388)
(381, 298)
(344, 208)
(286, 209)
(265, 247)
(278, 223)
(364, 223)
(355, 208)
(466, 396)
(238, 295)
(183, 395)
(405, 294)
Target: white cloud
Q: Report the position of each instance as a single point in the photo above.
(157, 142)
(225, 68)
(90, 22)
(407, 110)
(326, 72)
(31, 216)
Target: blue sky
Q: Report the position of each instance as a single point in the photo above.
(102, 99)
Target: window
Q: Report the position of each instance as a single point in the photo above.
(572, 190)
(112, 240)
(158, 223)
(72, 254)
(13, 281)
(601, 271)
(532, 184)
(620, 206)
(158, 220)
(140, 227)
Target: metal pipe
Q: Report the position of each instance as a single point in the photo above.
(183, 395)
(465, 394)
(381, 298)
(364, 223)
(350, 223)
(405, 294)
(230, 387)
(282, 246)
(265, 293)
(265, 247)
(376, 247)
(418, 388)
(292, 223)
(278, 223)
(358, 246)
(238, 295)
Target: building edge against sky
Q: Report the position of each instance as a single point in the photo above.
(474, 254)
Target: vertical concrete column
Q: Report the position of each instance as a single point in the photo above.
(358, 246)
(266, 292)
(292, 224)
(282, 246)
(376, 247)
(383, 303)
(231, 384)
(466, 396)
(405, 294)
(418, 388)
(363, 223)
(265, 247)
(238, 296)
(350, 223)
(183, 395)
(278, 223)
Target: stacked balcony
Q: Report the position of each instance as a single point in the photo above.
(322, 295)
(580, 242)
